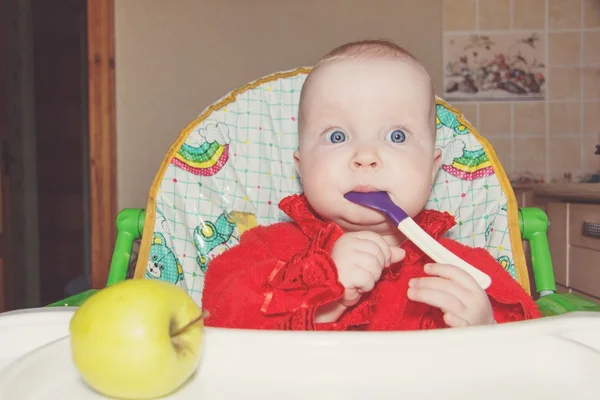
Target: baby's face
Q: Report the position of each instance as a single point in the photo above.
(367, 125)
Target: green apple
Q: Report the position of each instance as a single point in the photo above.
(137, 339)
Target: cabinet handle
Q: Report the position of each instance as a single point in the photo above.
(591, 230)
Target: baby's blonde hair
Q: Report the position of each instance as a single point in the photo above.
(361, 50)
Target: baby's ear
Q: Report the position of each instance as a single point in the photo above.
(297, 163)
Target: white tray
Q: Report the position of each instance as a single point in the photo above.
(553, 358)
(25, 330)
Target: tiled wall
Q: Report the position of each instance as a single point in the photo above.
(557, 135)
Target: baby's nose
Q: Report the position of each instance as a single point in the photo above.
(366, 160)
(372, 164)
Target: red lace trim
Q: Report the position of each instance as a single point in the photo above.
(308, 280)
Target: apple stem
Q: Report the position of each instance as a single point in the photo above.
(189, 324)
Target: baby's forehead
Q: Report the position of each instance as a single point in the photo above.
(344, 75)
(342, 81)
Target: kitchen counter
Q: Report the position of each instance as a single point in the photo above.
(581, 192)
(573, 210)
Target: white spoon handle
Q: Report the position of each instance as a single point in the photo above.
(439, 253)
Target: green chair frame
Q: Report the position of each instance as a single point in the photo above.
(533, 224)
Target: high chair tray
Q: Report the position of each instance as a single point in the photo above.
(551, 358)
(25, 330)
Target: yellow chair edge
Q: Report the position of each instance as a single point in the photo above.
(140, 267)
(512, 207)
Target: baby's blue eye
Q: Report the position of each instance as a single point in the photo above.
(337, 137)
(396, 136)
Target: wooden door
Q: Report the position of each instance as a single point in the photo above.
(5, 231)
(74, 100)
(71, 31)
(60, 106)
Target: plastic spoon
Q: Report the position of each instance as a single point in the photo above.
(381, 201)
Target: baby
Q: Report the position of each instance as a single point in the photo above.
(366, 123)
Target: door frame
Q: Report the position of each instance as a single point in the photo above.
(101, 137)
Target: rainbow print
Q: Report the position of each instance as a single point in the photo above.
(471, 165)
(207, 156)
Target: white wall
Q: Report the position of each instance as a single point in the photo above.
(175, 57)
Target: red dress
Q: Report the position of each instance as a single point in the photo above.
(280, 274)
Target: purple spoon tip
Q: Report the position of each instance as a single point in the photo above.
(379, 201)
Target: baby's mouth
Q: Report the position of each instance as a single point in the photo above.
(365, 189)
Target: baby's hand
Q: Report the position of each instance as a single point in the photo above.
(360, 258)
(455, 292)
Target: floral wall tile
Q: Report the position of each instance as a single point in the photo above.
(502, 66)
(499, 53)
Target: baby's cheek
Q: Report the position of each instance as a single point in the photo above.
(318, 172)
(320, 186)
(414, 201)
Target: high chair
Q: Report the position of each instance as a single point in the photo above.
(231, 166)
